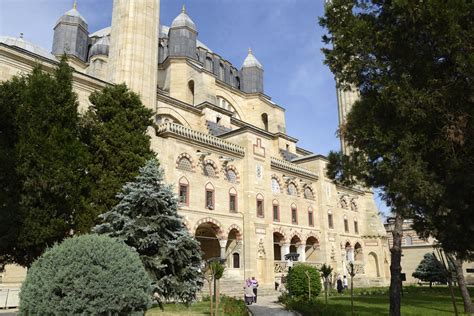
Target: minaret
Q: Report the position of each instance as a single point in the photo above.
(133, 54)
(345, 101)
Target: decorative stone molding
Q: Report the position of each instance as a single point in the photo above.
(185, 155)
(190, 135)
(239, 234)
(215, 222)
(292, 168)
(282, 232)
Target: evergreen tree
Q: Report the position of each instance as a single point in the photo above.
(411, 129)
(114, 130)
(147, 219)
(430, 270)
(45, 160)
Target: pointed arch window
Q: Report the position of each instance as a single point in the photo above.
(275, 185)
(356, 226)
(209, 197)
(310, 217)
(260, 209)
(308, 193)
(185, 164)
(294, 214)
(346, 224)
(276, 211)
(330, 220)
(292, 190)
(233, 200)
(183, 191)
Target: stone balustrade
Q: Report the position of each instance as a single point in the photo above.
(293, 168)
(199, 137)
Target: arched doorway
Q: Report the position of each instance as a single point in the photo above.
(233, 249)
(358, 252)
(349, 252)
(294, 245)
(207, 234)
(312, 251)
(372, 269)
(277, 242)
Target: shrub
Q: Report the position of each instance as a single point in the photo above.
(298, 281)
(233, 306)
(88, 275)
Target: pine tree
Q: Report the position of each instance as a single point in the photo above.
(114, 129)
(430, 270)
(45, 160)
(147, 219)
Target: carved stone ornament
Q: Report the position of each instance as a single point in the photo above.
(261, 249)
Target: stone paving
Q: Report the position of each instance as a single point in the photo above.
(268, 306)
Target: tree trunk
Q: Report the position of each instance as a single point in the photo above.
(431, 283)
(326, 285)
(217, 297)
(453, 299)
(395, 268)
(468, 308)
(352, 290)
(210, 295)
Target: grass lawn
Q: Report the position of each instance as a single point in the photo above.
(416, 301)
(198, 308)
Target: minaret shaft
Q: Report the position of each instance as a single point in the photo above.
(133, 56)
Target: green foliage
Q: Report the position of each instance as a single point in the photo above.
(45, 181)
(114, 130)
(430, 270)
(147, 219)
(298, 281)
(412, 126)
(217, 269)
(86, 275)
(232, 306)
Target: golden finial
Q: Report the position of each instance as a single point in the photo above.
(21, 35)
(183, 9)
(74, 6)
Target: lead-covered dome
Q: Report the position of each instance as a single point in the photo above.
(72, 15)
(101, 47)
(183, 20)
(26, 45)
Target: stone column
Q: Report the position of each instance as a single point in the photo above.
(302, 252)
(285, 249)
(223, 243)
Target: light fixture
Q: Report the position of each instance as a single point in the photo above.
(202, 153)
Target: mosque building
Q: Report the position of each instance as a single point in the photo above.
(247, 191)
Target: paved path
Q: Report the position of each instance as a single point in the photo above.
(268, 306)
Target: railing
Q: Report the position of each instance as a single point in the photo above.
(291, 167)
(190, 134)
(282, 266)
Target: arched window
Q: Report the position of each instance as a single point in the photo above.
(356, 226)
(408, 240)
(265, 121)
(233, 200)
(276, 211)
(183, 191)
(231, 176)
(308, 193)
(294, 214)
(260, 209)
(310, 217)
(275, 185)
(209, 64)
(191, 91)
(221, 72)
(346, 224)
(343, 202)
(330, 220)
(185, 164)
(209, 170)
(209, 198)
(292, 189)
(236, 260)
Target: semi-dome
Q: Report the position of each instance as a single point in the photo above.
(183, 20)
(28, 46)
(101, 47)
(251, 61)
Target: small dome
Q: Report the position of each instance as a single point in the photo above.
(251, 61)
(101, 47)
(183, 20)
(73, 13)
(28, 46)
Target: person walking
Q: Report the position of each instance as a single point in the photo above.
(345, 283)
(254, 286)
(248, 292)
(339, 285)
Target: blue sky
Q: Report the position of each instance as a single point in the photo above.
(284, 35)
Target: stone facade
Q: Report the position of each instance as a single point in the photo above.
(248, 193)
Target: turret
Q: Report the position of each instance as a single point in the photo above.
(71, 35)
(251, 74)
(182, 36)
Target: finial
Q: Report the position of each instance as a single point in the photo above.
(250, 51)
(21, 35)
(183, 9)
(74, 6)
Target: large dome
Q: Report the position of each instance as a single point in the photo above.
(183, 20)
(28, 46)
